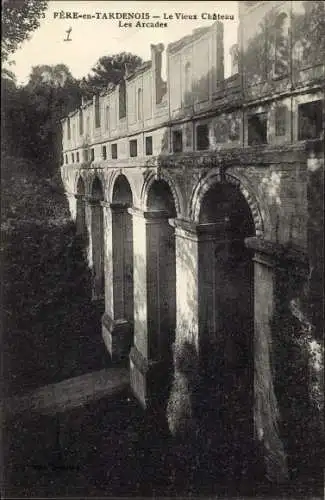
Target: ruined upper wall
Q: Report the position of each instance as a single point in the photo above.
(195, 68)
(123, 109)
(281, 49)
(281, 43)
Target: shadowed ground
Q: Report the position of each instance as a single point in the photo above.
(110, 447)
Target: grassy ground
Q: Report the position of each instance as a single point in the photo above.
(52, 329)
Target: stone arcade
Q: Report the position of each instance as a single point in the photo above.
(193, 195)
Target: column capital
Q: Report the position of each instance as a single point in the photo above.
(80, 196)
(115, 207)
(151, 215)
(118, 207)
(105, 204)
(274, 254)
(198, 231)
(90, 200)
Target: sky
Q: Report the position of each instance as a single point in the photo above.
(93, 38)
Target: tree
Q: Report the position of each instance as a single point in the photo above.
(19, 19)
(55, 76)
(8, 74)
(54, 90)
(109, 69)
(53, 93)
(33, 113)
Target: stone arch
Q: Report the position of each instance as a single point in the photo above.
(79, 177)
(80, 185)
(159, 202)
(120, 265)
(122, 192)
(205, 183)
(226, 285)
(88, 183)
(97, 188)
(150, 179)
(112, 183)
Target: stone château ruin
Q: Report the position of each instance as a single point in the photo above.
(200, 201)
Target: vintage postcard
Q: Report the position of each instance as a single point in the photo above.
(162, 247)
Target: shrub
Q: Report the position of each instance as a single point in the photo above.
(181, 405)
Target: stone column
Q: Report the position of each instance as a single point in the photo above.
(201, 250)
(80, 214)
(94, 221)
(187, 283)
(81, 224)
(72, 202)
(108, 267)
(154, 304)
(117, 321)
(266, 409)
(88, 219)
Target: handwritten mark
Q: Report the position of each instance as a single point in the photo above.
(68, 39)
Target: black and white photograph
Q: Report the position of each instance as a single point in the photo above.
(162, 249)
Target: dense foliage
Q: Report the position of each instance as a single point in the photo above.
(109, 69)
(33, 112)
(43, 264)
(51, 326)
(19, 19)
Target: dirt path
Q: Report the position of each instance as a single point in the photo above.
(70, 393)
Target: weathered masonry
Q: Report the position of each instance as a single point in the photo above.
(199, 197)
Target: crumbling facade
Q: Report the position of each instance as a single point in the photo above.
(194, 195)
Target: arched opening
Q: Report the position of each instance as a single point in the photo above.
(97, 111)
(281, 44)
(97, 190)
(140, 104)
(107, 118)
(69, 128)
(122, 249)
(226, 291)
(81, 122)
(97, 236)
(162, 292)
(122, 99)
(187, 84)
(160, 197)
(81, 210)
